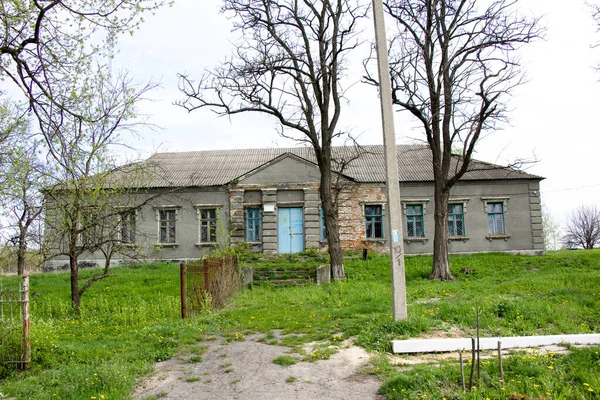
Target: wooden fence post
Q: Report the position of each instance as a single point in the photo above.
(26, 358)
(183, 290)
(206, 278)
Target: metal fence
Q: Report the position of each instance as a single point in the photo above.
(15, 348)
(208, 283)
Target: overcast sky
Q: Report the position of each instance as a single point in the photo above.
(554, 119)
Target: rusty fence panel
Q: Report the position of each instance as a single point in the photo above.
(15, 348)
(208, 284)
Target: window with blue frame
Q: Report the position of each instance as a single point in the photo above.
(374, 221)
(253, 224)
(456, 220)
(495, 212)
(322, 226)
(414, 221)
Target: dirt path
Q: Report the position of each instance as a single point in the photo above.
(245, 370)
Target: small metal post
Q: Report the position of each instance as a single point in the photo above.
(183, 290)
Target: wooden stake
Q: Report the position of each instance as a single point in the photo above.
(462, 370)
(26, 325)
(478, 347)
(500, 361)
(183, 290)
(472, 363)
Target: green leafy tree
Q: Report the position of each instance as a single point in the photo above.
(24, 176)
(82, 204)
(56, 52)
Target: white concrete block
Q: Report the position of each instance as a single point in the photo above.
(456, 344)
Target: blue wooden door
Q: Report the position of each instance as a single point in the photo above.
(290, 230)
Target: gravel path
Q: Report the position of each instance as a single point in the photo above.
(245, 370)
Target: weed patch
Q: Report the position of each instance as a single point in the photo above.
(285, 360)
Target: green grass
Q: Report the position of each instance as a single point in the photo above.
(528, 375)
(131, 320)
(127, 323)
(285, 360)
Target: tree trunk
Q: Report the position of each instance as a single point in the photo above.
(336, 255)
(441, 264)
(75, 296)
(21, 250)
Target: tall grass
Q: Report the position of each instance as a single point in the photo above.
(127, 323)
(131, 320)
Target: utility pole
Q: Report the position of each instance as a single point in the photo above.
(394, 211)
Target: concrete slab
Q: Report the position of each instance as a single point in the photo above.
(456, 344)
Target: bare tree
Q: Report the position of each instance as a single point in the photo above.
(453, 66)
(582, 228)
(288, 65)
(595, 9)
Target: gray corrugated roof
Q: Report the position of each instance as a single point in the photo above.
(219, 167)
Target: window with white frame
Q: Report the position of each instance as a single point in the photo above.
(495, 213)
(208, 225)
(127, 227)
(456, 220)
(414, 221)
(167, 220)
(253, 224)
(374, 221)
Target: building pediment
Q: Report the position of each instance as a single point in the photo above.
(287, 168)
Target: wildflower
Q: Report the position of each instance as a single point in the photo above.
(590, 390)
(586, 384)
(550, 367)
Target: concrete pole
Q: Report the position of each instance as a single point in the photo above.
(394, 211)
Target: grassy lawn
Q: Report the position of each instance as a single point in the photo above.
(130, 321)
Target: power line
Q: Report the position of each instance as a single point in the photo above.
(573, 188)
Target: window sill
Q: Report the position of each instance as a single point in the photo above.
(496, 237)
(457, 238)
(378, 240)
(422, 240)
(173, 245)
(207, 244)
